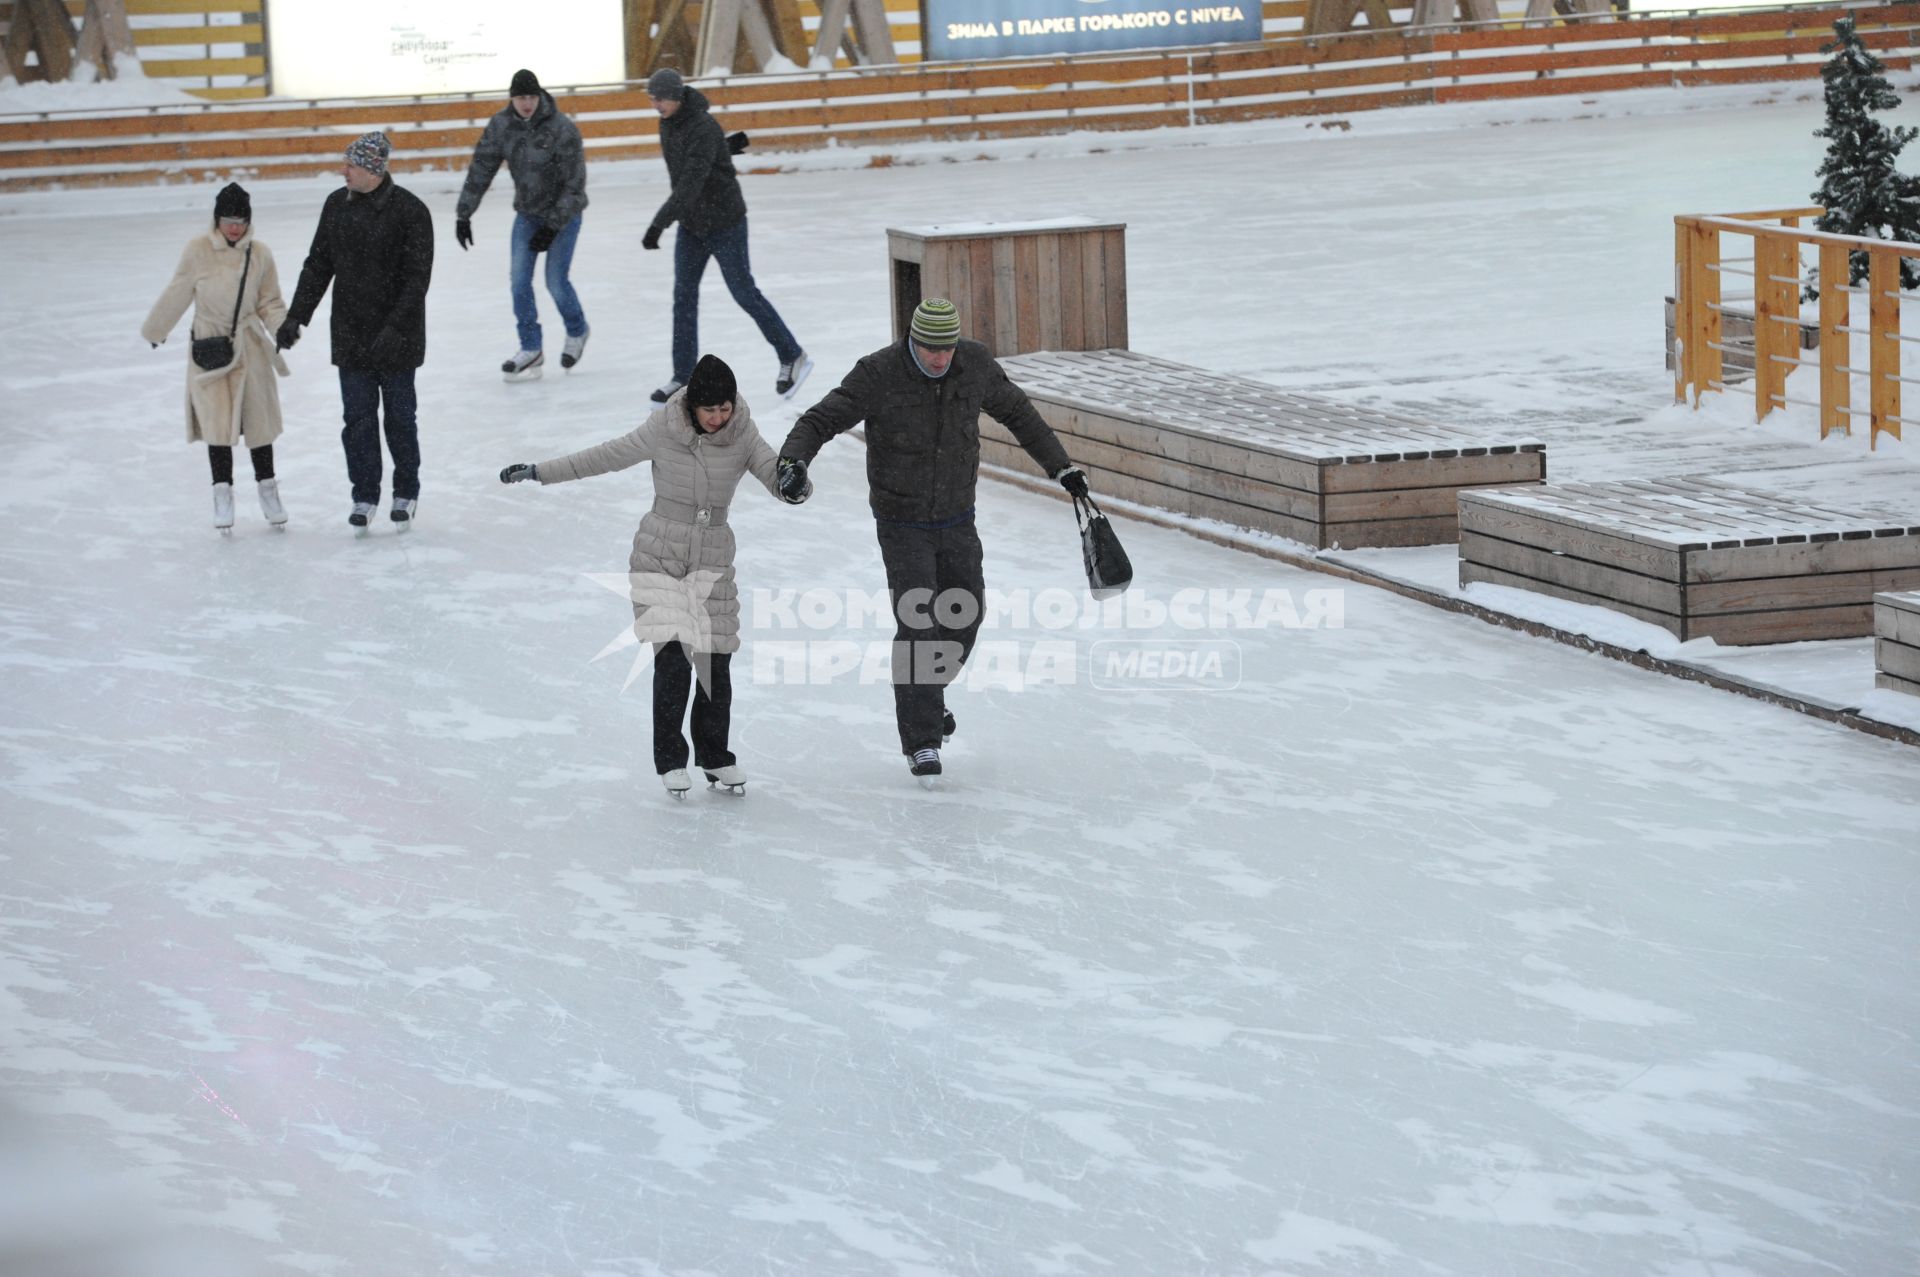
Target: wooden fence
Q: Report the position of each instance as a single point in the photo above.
(1702, 305)
(192, 42)
(961, 102)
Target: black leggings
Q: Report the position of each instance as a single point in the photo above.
(220, 457)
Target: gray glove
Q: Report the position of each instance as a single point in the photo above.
(519, 473)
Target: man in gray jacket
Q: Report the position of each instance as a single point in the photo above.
(542, 150)
(921, 398)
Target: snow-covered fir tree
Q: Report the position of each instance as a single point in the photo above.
(1862, 191)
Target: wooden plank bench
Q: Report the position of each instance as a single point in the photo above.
(1697, 557)
(1219, 447)
(1896, 642)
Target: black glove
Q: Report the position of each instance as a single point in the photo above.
(519, 472)
(542, 239)
(463, 232)
(1074, 480)
(790, 477)
(154, 344)
(736, 143)
(652, 238)
(384, 353)
(288, 334)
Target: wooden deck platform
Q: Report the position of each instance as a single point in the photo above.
(1896, 642)
(1698, 558)
(1196, 442)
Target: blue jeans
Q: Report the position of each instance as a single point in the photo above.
(729, 248)
(559, 261)
(361, 393)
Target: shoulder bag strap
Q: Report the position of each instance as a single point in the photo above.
(245, 266)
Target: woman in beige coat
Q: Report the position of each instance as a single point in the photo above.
(701, 442)
(241, 399)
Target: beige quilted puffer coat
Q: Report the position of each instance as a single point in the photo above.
(681, 572)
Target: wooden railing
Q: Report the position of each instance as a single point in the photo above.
(1702, 305)
(173, 46)
(960, 102)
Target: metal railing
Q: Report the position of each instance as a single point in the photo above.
(1702, 308)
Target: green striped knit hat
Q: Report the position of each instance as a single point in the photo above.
(936, 323)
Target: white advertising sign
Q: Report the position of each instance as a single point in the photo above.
(388, 48)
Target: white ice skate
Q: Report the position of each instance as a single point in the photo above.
(791, 375)
(362, 516)
(404, 508)
(270, 506)
(524, 366)
(730, 778)
(677, 782)
(575, 347)
(223, 506)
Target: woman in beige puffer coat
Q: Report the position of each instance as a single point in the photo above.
(701, 442)
(240, 399)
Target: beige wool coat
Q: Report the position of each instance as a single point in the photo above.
(242, 397)
(681, 572)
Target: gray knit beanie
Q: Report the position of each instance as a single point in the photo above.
(667, 84)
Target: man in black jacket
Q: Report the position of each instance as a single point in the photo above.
(375, 240)
(712, 213)
(921, 398)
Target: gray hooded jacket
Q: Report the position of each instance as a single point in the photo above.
(545, 156)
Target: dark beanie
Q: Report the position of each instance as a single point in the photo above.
(525, 84)
(667, 84)
(233, 201)
(711, 385)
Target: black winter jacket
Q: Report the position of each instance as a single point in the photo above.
(545, 156)
(923, 433)
(377, 251)
(706, 193)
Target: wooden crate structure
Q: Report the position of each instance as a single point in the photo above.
(1195, 442)
(1896, 642)
(1697, 557)
(1020, 286)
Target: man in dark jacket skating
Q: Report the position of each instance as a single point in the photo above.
(921, 398)
(712, 213)
(375, 245)
(542, 150)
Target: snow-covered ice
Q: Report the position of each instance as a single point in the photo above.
(343, 924)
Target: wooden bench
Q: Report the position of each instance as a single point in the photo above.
(1699, 558)
(1896, 642)
(1219, 447)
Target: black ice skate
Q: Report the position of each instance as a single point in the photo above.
(926, 767)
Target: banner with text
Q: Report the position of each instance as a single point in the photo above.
(963, 30)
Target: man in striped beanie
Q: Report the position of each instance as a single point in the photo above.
(921, 399)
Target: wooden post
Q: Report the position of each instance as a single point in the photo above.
(1836, 346)
(1776, 320)
(43, 27)
(6, 68)
(833, 22)
(789, 36)
(874, 32)
(105, 37)
(1883, 279)
(1703, 284)
(1682, 309)
(719, 34)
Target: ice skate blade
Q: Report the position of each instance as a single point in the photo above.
(531, 374)
(738, 791)
(928, 783)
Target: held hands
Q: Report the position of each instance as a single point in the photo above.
(542, 239)
(519, 472)
(1074, 480)
(288, 334)
(652, 238)
(463, 232)
(736, 143)
(790, 477)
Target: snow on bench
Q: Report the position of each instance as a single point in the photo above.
(1196, 442)
(1697, 557)
(1896, 642)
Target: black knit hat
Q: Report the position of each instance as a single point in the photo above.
(525, 84)
(711, 385)
(233, 201)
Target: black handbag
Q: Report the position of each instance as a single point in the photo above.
(215, 353)
(1108, 570)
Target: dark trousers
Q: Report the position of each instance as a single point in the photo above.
(937, 586)
(729, 248)
(363, 391)
(220, 457)
(673, 678)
